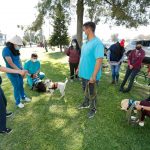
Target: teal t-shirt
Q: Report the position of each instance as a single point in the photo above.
(32, 67)
(91, 50)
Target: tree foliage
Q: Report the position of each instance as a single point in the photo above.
(130, 13)
(60, 35)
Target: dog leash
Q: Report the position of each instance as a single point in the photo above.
(130, 113)
(87, 91)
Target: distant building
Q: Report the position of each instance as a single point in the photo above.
(2, 38)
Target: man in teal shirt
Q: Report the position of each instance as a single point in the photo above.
(33, 67)
(92, 54)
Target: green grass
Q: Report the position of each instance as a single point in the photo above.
(51, 123)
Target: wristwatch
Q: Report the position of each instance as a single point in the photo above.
(142, 108)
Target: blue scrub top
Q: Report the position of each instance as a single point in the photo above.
(16, 59)
(32, 67)
(91, 50)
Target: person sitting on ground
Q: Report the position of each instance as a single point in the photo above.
(115, 58)
(33, 67)
(3, 100)
(144, 107)
(135, 59)
(74, 56)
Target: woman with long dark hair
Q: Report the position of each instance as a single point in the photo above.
(74, 56)
(11, 55)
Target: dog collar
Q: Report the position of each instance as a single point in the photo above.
(54, 87)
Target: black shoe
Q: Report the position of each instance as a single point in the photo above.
(125, 91)
(84, 105)
(113, 82)
(92, 113)
(121, 90)
(6, 131)
(9, 114)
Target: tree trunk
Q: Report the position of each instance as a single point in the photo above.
(60, 48)
(80, 13)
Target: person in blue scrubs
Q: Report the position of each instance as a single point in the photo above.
(92, 54)
(33, 66)
(11, 56)
(3, 101)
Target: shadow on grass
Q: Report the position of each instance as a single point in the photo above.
(53, 123)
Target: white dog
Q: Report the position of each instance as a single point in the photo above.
(52, 86)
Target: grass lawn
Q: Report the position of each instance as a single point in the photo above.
(51, 123)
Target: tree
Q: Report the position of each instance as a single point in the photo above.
(59, 36)
(130, 13)
(114, 37)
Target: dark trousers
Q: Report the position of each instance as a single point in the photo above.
(86, 100)
(145, 112)
(73, 68)
(3, 103)
(129, 73)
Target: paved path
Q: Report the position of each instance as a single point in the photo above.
(26, 53)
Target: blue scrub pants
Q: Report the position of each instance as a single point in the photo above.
(17, 82)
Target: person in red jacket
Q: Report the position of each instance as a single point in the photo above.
(74, 56)
(135, 59)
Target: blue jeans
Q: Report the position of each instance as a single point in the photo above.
(41, 75)
(86, 100)
(115, 72)
(17, 82)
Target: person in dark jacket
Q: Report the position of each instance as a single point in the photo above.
(135, 59)
(115, 58)
(3, 100)
(74, 56)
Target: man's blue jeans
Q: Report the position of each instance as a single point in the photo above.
(86, 100)
(17, 82)
(115, 72)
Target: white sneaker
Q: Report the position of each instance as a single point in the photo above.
(27, 99)
(20, 105)
(141, 123)
(133, 118)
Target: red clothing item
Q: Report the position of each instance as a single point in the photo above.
(135, 58)
(74, 55)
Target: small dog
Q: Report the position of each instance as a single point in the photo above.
(52, 86)
(127, 103)
(38, 85)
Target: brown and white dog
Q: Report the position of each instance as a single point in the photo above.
(52, 86)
